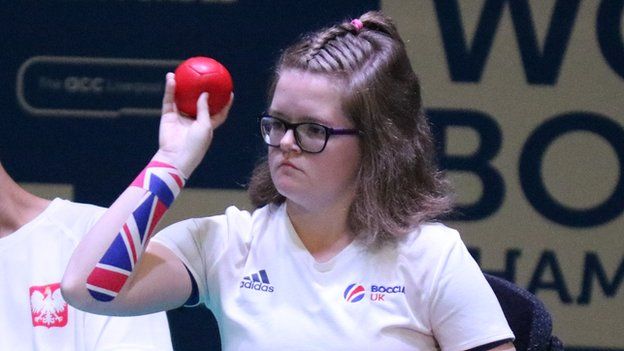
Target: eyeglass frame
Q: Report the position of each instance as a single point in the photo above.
(328, 131)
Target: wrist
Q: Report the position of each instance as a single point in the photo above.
(185, 168)
(162, 179)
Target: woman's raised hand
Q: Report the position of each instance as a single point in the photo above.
(183, 141)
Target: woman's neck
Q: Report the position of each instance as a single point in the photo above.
(324, 232)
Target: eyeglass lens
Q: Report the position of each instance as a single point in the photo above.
(310, 137)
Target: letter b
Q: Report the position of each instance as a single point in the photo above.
(478, 163)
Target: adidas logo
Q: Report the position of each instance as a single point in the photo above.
(257, 281)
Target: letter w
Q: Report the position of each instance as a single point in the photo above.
(540, 66)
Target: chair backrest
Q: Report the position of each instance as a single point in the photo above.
(527, 316)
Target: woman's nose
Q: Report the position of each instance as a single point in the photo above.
(289, 142)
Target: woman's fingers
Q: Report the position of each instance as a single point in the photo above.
(203, 113)
(220, 117)
(168, 104)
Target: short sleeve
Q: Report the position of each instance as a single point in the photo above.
(201, 243)
(464, 310)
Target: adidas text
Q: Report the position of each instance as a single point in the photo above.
(256, 286)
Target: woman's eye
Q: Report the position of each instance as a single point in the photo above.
(313, 131)
(276, 126)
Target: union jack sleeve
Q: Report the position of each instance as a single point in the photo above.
(163, 183)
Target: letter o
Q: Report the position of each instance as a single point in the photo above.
(72, 84)
(531, 165)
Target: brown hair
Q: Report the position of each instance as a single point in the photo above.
(399, 184)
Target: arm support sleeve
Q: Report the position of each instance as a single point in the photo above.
(163, 183)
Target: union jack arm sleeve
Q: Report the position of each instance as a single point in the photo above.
(163, 183)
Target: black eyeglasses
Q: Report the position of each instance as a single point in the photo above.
(310, 137)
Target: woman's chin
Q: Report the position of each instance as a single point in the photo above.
(292, 192)
(286, 190)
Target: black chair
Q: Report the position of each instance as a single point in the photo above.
(527, 316)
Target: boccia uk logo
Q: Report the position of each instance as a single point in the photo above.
(354, 293)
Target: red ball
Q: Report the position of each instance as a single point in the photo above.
(202, 74)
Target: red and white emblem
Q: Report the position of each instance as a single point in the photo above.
(47, 306)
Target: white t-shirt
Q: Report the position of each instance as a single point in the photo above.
(33, 314)
(268, 293)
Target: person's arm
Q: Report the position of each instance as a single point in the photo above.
(464, 310)
(110, 272)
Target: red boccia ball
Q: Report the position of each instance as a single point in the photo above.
(202, 74)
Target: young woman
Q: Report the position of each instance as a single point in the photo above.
(342, 253)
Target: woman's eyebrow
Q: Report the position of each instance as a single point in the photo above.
(303, 119)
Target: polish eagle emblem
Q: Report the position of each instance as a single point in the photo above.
(47, 306)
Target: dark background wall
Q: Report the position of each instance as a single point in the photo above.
(70, 117)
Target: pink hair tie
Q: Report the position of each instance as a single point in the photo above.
(357, 24)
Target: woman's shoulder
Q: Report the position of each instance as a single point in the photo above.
(72, 209)
(232, 220)
(74, 218)
(432, 237)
